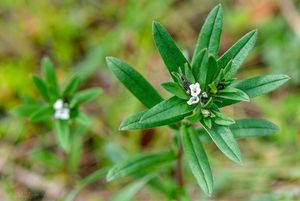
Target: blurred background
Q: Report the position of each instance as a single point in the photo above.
(78, 34)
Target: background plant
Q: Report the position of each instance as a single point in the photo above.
(199, 88)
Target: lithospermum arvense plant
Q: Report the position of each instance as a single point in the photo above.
(60, 105)
(200, 87)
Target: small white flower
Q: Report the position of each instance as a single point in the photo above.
(204, 95)
(193, 100)
(59, 104)
(195, 89)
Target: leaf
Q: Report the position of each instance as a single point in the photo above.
(26, 110)
(212, 70)
(210, 34)
(260, 85)
(50, 77)
(253, 128)
(246, 128)
(257, 86)
(238, 52)
(169, 52)
(83, 119)
(222, 119)
(199, 66)
(138, 164)
(197, 159)
(175, 89)
(43, 113)
(129, 191)
(167, 112)
(62, 132)
(47, 157)
(188, 73)
(225, 141)
(93, 177)
(233, 94)
(134, 81)
(41, 86)
(84, 96)
(71, 86)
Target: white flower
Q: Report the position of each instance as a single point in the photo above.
(193, 100)
(63, 114)
(195, 89)
(59, 104)
(61, 110)
(204, 95)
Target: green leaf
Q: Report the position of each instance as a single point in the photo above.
(257, 86)
(212, 70)
(260, 85)
(175, 89)
(43, 113)
(62, 132)
(169, 52)
(247, 128)
(41, 86)
(199, 66)
(138, 164)
(71, 86)
(93, 177)
(222, 119)
(84, 96)
(134, 81)
(50, 78)
(129, 191)
(26, 110)
(253, 128)
(197, 159)
(225, 141)
(83, 119)
(233, 94)
(238, 52)
(47, 157)
(167, 112)
(210, 34)
(188, 73)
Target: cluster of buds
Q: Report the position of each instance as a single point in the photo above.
(61, 110)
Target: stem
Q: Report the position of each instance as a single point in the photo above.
(178, 172)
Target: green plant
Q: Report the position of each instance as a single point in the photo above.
(199, 89)
(62, 106)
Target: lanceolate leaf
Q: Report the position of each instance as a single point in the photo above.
(197, 159)
(41, 86)
(138, 164)
(84, 96)
(245, 128)
(212, 70)
(210, 33)
(43, 113)
(71, 86)
(50, 77)
(238, 52)
(233, 94)
(199, 66)
(62, 132)
(169, 52)
(167, 112)
(225, 141)
(260, 85)
(175, 89)
(134, 81)
(257, 86)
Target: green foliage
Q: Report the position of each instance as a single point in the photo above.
(199, 89)
(60, 105)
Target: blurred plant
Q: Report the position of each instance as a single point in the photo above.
(200, 88)
(62, 106)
